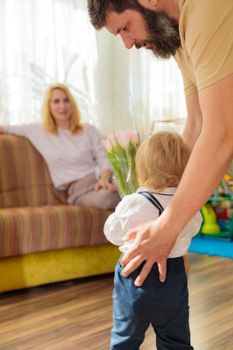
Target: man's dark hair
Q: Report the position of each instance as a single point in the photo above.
(162, 31)
(99, 9)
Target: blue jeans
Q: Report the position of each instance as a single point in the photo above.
(164, 305)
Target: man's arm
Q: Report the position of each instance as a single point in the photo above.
(193, 125)
(211, 154)
(209, 160)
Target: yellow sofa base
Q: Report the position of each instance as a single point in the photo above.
(54, 266)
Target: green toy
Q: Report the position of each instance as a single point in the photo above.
(210, 225)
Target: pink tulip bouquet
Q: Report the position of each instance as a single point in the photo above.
(121, 148)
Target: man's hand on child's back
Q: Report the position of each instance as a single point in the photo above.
(151, 246)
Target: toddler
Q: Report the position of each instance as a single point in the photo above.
(160, 163)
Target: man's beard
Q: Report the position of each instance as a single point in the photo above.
(163, 33)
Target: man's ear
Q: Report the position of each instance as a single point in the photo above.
(149, 4)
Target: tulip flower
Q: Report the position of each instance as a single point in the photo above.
(132, 136)
(108, 145)
(112, 139)
(122, 139)
(121, 148)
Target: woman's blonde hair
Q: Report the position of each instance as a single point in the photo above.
(75, 125)
(161, 160)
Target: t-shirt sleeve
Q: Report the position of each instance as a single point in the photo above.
(189, 86)
(209, 40)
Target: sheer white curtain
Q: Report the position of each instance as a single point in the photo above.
(42, 42)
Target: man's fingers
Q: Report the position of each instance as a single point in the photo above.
(128, 256)
(144, 273)
(162, 267)
(132, 265)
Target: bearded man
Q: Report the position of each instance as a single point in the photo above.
(199, 34)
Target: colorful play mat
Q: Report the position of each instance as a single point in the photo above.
(212, 246)
(216, 234)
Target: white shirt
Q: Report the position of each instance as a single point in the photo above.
(69, 156)
(135, 209)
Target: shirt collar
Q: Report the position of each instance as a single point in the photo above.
(167, 190)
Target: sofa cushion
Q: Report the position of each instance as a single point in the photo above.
(24, 176)
(29, 230)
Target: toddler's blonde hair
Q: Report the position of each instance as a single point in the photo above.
(161, 160)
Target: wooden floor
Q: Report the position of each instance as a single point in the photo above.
(77, 315)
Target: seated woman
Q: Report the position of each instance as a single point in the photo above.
(73, 151)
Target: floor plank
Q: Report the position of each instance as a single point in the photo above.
(76, 315)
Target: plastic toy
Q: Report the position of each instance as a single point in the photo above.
(210, 225)
(218, 212)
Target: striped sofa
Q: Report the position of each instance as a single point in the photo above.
(42, 239)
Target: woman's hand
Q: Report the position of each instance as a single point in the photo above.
(106, 185)
(152, 245)
(105, 182)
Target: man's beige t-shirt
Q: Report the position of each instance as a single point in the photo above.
(206, 32)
